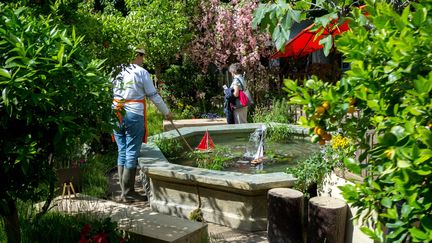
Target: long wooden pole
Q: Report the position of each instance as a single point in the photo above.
(184, 140)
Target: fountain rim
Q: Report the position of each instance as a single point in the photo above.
(152, 161)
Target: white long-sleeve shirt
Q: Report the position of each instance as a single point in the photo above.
(135, 83)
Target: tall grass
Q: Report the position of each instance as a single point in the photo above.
(95, 174)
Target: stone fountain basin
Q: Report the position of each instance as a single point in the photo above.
(231, 199)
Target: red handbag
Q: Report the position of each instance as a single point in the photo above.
(243, 98)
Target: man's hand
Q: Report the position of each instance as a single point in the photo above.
(169, 116)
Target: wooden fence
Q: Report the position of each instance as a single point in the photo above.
(297, 111)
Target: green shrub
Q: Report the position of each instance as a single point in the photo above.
(52, 96)
(171, 148)
(94, 174)
(59, 227)
(279, 133)
(216, 160)
(190, 90)
(279, 111)
(387, 92)
(312, 171)
(154, 119)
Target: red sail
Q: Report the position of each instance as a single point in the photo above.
(206, 142)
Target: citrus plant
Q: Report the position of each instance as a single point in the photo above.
(387, 92)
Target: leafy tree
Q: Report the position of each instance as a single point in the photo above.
(108, 34)
(185, 85)
(388, 91)
(225, 35)
(52, 97)
(163, 29)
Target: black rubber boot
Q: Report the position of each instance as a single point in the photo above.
(132, 179)
(128, 181)
(120, 170)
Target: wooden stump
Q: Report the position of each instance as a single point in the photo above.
(326, 220)
(284, 215)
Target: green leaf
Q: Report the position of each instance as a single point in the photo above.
(298, 100)
(386, 202)
(303, 121)
(5, 73)
(368, 232)
(398, 131)
(278, 36)
(388, 139)
(425, 155)
(324, 20)
(426, 222)
(414, 110)
(290, 84)
(259, 15)
(349, 192)
(352, 165)
(60, 54)
(425, 136)
(406, 210)
(373, 104)
(420, 15)
(423, 85)
(327, 42)
(65, 39)
(393, 77)
(403, 163)
(418, 234)
(295, 15)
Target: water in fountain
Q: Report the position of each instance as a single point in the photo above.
(255, 146)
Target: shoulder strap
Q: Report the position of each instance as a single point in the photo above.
(241, 83)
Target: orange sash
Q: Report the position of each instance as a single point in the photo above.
(119, 107)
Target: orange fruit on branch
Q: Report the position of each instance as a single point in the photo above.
(326, 105)
(320, 110)
(327, 136)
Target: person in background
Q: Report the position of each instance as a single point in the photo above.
(229, 103)
(130, 88)
(238, 83)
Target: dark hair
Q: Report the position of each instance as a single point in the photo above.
(235, 68)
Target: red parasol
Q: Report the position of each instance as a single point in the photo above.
(307, 40)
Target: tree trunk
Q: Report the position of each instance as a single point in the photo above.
(326, 220)
(11, 222)
(285, 215)
(158, 73)
(48, 201)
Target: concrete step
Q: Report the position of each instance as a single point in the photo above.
(143, 224)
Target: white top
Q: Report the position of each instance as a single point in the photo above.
(239, 81)
(135, 83)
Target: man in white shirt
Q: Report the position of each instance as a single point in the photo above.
(130, 88)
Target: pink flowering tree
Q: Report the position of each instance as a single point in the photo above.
(225, 36)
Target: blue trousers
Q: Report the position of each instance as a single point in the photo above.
(129, 138)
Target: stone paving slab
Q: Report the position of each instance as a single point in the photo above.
(146, 226)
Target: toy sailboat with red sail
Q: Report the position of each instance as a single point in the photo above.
(206, 142)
